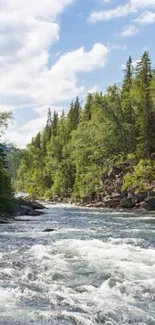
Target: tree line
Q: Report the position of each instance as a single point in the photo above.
(71, 155)
(6, 191)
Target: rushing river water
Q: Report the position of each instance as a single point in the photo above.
(98, 267)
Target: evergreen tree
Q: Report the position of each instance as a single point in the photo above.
(6, 191)
(145, 109)
(88, 107)
(54, 125)
(127, 103)
(74, 115)
(48, 125)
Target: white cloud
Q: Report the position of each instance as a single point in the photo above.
(109, 14)
(145, 18)
(80, 60)
(27, 32)
(133, 6)
(130, 30)
(47, 9)
(18, 138)
(142, 3)
(29, 82)
(21, 137)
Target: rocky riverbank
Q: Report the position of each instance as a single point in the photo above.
(113, 196)
(141, 200)
(21, 207)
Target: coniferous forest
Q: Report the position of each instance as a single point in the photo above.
(77, 152)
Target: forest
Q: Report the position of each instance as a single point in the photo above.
(6, 189)
(74, 152)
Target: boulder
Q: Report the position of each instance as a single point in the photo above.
(111, 202)
(35, 205)
(142, 205)
(27, 210)
(140, 196)
(48, 230)
(151, 194)
(149, 203)
(26, 207)
(35, 213)
(127, 203)
(116, 196)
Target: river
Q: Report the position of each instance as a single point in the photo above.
(97, 267)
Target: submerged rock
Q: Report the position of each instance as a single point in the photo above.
(49, 230)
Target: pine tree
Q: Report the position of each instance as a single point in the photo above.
(48, 125)
(145, 110)
(54, 125)
(127, 104)
(37, 141)
(126, 92)
(88, 107)
(77, 109)
(74, 115)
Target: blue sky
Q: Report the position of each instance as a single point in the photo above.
(52, 51)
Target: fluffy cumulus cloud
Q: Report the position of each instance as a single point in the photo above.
(28, 29)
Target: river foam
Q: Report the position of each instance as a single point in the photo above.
(94, 269)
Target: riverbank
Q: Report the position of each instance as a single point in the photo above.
(115, 193)
(20, 207)
(132, 201)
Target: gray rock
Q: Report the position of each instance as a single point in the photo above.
(149, 203)
(35, 205)
(140, 196)
(26, 207)
(111, 202)
(127, 203)
(48, 230)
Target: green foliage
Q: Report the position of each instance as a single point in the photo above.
(142, 176)
(5, 118)
(5, 179)
(71, 155)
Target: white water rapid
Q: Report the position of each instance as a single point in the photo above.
(97, 267)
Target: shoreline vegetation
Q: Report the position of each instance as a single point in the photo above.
(100, 154)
